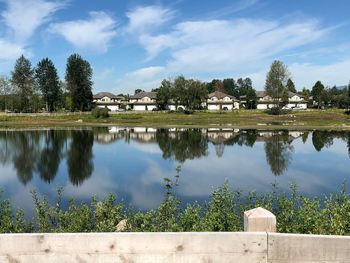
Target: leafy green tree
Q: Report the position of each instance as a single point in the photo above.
(48, 83)
(230, 87)
(349, 95)
(290, 86)
(24, 82)
(163, 95)
(79, 82)
(276, 81)
(138, 91)
(195, 93)
(178, 91)
(211, 86)
(245, 89)
(317, 92)
(5, 90)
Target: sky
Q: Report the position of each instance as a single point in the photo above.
(135, 44)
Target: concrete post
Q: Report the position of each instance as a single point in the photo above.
(259, 220)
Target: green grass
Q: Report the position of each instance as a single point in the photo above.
(332, 118)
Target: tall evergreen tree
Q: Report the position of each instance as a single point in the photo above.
(276, 80)
(24, 82)
(48, 83)
(79, 82)
(291, 86)
(317, 92)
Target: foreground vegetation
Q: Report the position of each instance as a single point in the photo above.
(242, 118)
(223, 212)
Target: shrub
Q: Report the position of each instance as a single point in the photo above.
(100, 113)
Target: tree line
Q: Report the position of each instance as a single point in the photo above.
(279, 82)
(191, 93)
(36, 89)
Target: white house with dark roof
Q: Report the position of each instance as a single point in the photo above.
(108, 100)
(295, 101)
(221, 101)
(143, 101)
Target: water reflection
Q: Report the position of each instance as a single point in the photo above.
(76, 153)
(79, 156)
(279, 151)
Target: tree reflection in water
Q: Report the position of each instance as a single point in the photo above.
(182, 145)
(279, 151)
(80, 157)
(41, 152)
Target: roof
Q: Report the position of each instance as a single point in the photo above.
(220, 95)
(261, 94)
(100, 95)
(140, 95)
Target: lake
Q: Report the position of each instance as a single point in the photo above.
(133, 162)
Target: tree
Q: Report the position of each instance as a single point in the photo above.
(79, 82)
(219, 86)
(349, 95)
(245, 88)
(230, 87)
(5, 90)
(211, 86)
(138, 91)
(196, 92)
(163, 95)
(48, 83)
(317, 92)
(24, 82)
(290, 86)
(276, 81)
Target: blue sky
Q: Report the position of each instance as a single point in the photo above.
(135, 44)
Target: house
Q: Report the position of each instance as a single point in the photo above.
(108, 100)
(295, 101)
(221, 101)
(143, 101)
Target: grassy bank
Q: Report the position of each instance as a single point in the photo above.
(223, 212)
(335, 119)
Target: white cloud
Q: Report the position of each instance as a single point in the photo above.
(23, 17)
(11, 51)
(147, 18)
(306, 75)
(95, 33)
(229, 45)
(145, 78)
(234, 8)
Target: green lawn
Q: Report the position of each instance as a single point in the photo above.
(333, 118)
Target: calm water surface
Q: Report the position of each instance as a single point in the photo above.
(132, 162)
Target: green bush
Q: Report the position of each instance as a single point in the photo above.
(100, 113)
(223, 212)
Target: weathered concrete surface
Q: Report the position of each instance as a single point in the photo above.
(134, 247)
(259, 220)
(285, 248)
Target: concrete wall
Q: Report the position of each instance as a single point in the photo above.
(174, 247)
(134, 247)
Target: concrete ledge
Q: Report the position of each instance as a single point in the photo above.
(134, 247)
(285, 248)
(243, 247)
